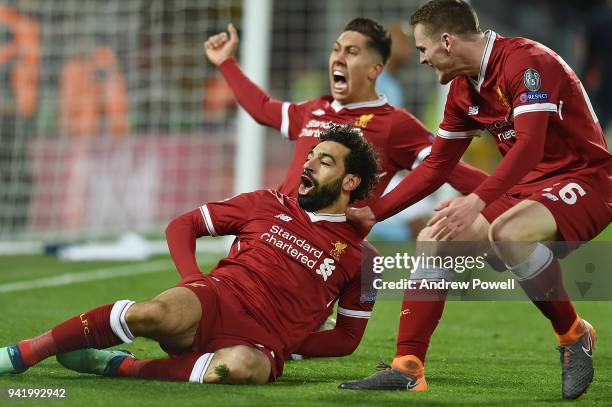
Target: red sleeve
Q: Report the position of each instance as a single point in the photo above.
(216, 218)
(252, 98)
(228, 217)
(409, 141)
(340, 341)
(181, 235)
(425, 179)
(534, 79)
(466, 178)
(522, 157)
(456, 122)
(353, 316)
(283, 116)
(293, 118)
(410, 144)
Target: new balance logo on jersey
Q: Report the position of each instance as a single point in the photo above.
(326, 268)
(283, 217)
(473, 110)
(318, 112)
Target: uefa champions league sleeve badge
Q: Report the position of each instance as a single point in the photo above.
(532, 81)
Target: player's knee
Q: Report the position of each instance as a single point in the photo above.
(518, 226)
(239, 365)
(247, 365)
(148, 316)
(503, 230)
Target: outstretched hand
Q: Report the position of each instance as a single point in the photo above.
(455, 215)
(362, 219)
(222, 46)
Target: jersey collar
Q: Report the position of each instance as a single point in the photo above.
(381, 101)
(491, 35)
(329, 217)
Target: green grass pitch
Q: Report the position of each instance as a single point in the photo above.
(483, 354)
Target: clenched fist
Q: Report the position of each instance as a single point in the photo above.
(222, 46)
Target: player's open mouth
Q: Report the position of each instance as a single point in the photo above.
(339, 81)
(306, 185)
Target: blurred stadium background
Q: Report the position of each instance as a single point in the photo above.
(112, 120)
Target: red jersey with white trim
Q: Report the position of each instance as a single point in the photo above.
(519, 76)
(403, 141)
(290, 265)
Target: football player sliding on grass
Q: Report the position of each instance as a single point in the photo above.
(260, 304)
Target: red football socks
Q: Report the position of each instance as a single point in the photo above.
(89, 330)
(418, 320)
(182, 368)
(548, 293)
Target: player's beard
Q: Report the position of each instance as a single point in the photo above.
(322, 196)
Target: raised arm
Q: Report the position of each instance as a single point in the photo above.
(221, 50)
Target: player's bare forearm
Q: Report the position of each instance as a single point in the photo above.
(181, 235)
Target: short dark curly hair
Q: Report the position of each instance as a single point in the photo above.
(363, 159)
(379, 37)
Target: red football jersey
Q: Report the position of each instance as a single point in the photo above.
(518, 76)
(293, 264)
(402, 140)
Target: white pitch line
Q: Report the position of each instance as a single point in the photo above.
(92, 275)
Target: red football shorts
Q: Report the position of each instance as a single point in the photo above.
(581, 209)
(225, 322)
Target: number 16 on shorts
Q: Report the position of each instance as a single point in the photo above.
(568, 194)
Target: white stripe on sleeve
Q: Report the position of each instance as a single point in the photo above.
(535, 107)
(208, 221)
(353, 313)
(285, 120)
(420, 157)
(459, 134)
